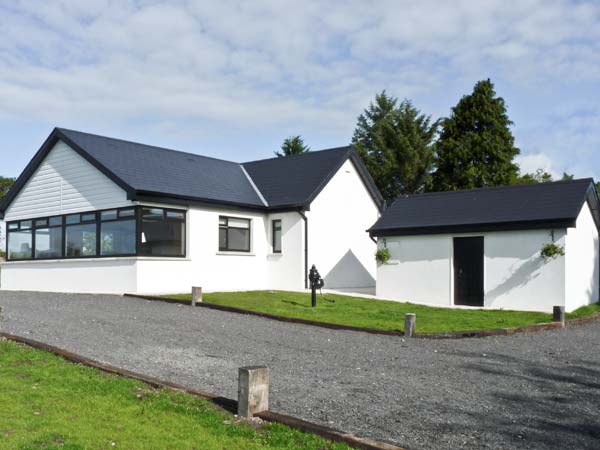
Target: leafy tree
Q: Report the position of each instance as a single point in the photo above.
(540, 176)
(476, 147)
(293, 145)
(5, 185)
(396, 143)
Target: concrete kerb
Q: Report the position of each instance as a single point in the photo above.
(448, 335)
(226, 404)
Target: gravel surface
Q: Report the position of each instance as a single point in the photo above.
(529, 391)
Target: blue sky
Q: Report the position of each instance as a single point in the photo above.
(232, 79)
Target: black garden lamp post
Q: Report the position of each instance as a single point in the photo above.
(316, 282)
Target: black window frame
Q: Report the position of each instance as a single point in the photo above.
(227, 227)
(276, 225)
(166, 218)
(135, 215)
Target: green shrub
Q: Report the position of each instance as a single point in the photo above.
(382, 255)
(552, 251)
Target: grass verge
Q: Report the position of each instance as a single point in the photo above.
(377, 314)
(49, 403)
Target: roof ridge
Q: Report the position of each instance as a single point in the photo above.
(148, 145)
(349, 147)
(497, 188)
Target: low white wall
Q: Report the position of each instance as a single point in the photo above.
(581, 259)
(515, 275)
(110, 276)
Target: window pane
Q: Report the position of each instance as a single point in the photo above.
(127, 213)
(25, 224)
(238, 223)
(108, 215)
(117, 238)
(55, 221)
(41, 223)
(222, 220)
(222, 238)
(152, 213)
(238, 239)
(277, 236)
(73, 218)
(81, 240)
(13, 226)
(48, 243)
(19, 245)
(175, 215)
(88, 217)
(162, 238)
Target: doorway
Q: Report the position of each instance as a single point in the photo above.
(468, 271)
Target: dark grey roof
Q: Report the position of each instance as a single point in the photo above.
(543, 205)
(296, 180)
(147, 169)
(146, 172)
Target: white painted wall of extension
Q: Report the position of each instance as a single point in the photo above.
(582, 267)
(515, 275)
(65, 182)
(338, 243)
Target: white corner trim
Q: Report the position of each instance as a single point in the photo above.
(262, 199)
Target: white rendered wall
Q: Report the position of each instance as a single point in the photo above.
(111, 276)
(63, 183)
(581, 258)
(515, 275)
(338, 243)
(285, 270)
(419, 270)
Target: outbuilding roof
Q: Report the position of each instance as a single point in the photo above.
(152, 173)
(543, 205)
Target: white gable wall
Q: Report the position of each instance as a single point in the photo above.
(65, 182)
(338, 243)
(581, 255)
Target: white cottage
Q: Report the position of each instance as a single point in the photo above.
(483, 247)
(97, 214)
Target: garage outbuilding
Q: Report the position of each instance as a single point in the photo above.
(528, 247)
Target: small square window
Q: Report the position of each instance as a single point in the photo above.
(13, 226)
(109, 215)
(88, 217)
(127, 212)
(176, 215)
(41, 223)
(25, 224)
(55, 221)
(73, 218)
(152, 213)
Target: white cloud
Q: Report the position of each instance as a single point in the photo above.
(272, 66)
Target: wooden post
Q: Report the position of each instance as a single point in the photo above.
(410, 323)
(196, 295)
(253, 390)
(558, 314)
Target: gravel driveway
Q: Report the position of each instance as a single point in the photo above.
(530, 391)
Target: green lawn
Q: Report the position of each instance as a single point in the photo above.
(378, 314)
(51, 404)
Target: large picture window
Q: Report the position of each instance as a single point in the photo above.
(234, 234)
(162, 232)
(127, 231)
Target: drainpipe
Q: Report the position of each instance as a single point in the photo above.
(305, 247)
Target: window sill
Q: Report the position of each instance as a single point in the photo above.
(233, 253)
(274, 255)
(105, 258)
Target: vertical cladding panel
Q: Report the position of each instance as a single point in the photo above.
(65, 182)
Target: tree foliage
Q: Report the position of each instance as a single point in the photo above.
(5, 185)
(476, 147)
(540, 176)
(396, 143)
(292, 145)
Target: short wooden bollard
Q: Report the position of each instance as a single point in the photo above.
(558, 314)
(196, 295)
(253, 390)
(410, 323)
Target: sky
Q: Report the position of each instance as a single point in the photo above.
(232, 79)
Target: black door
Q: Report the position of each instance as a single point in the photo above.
(468, 271)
